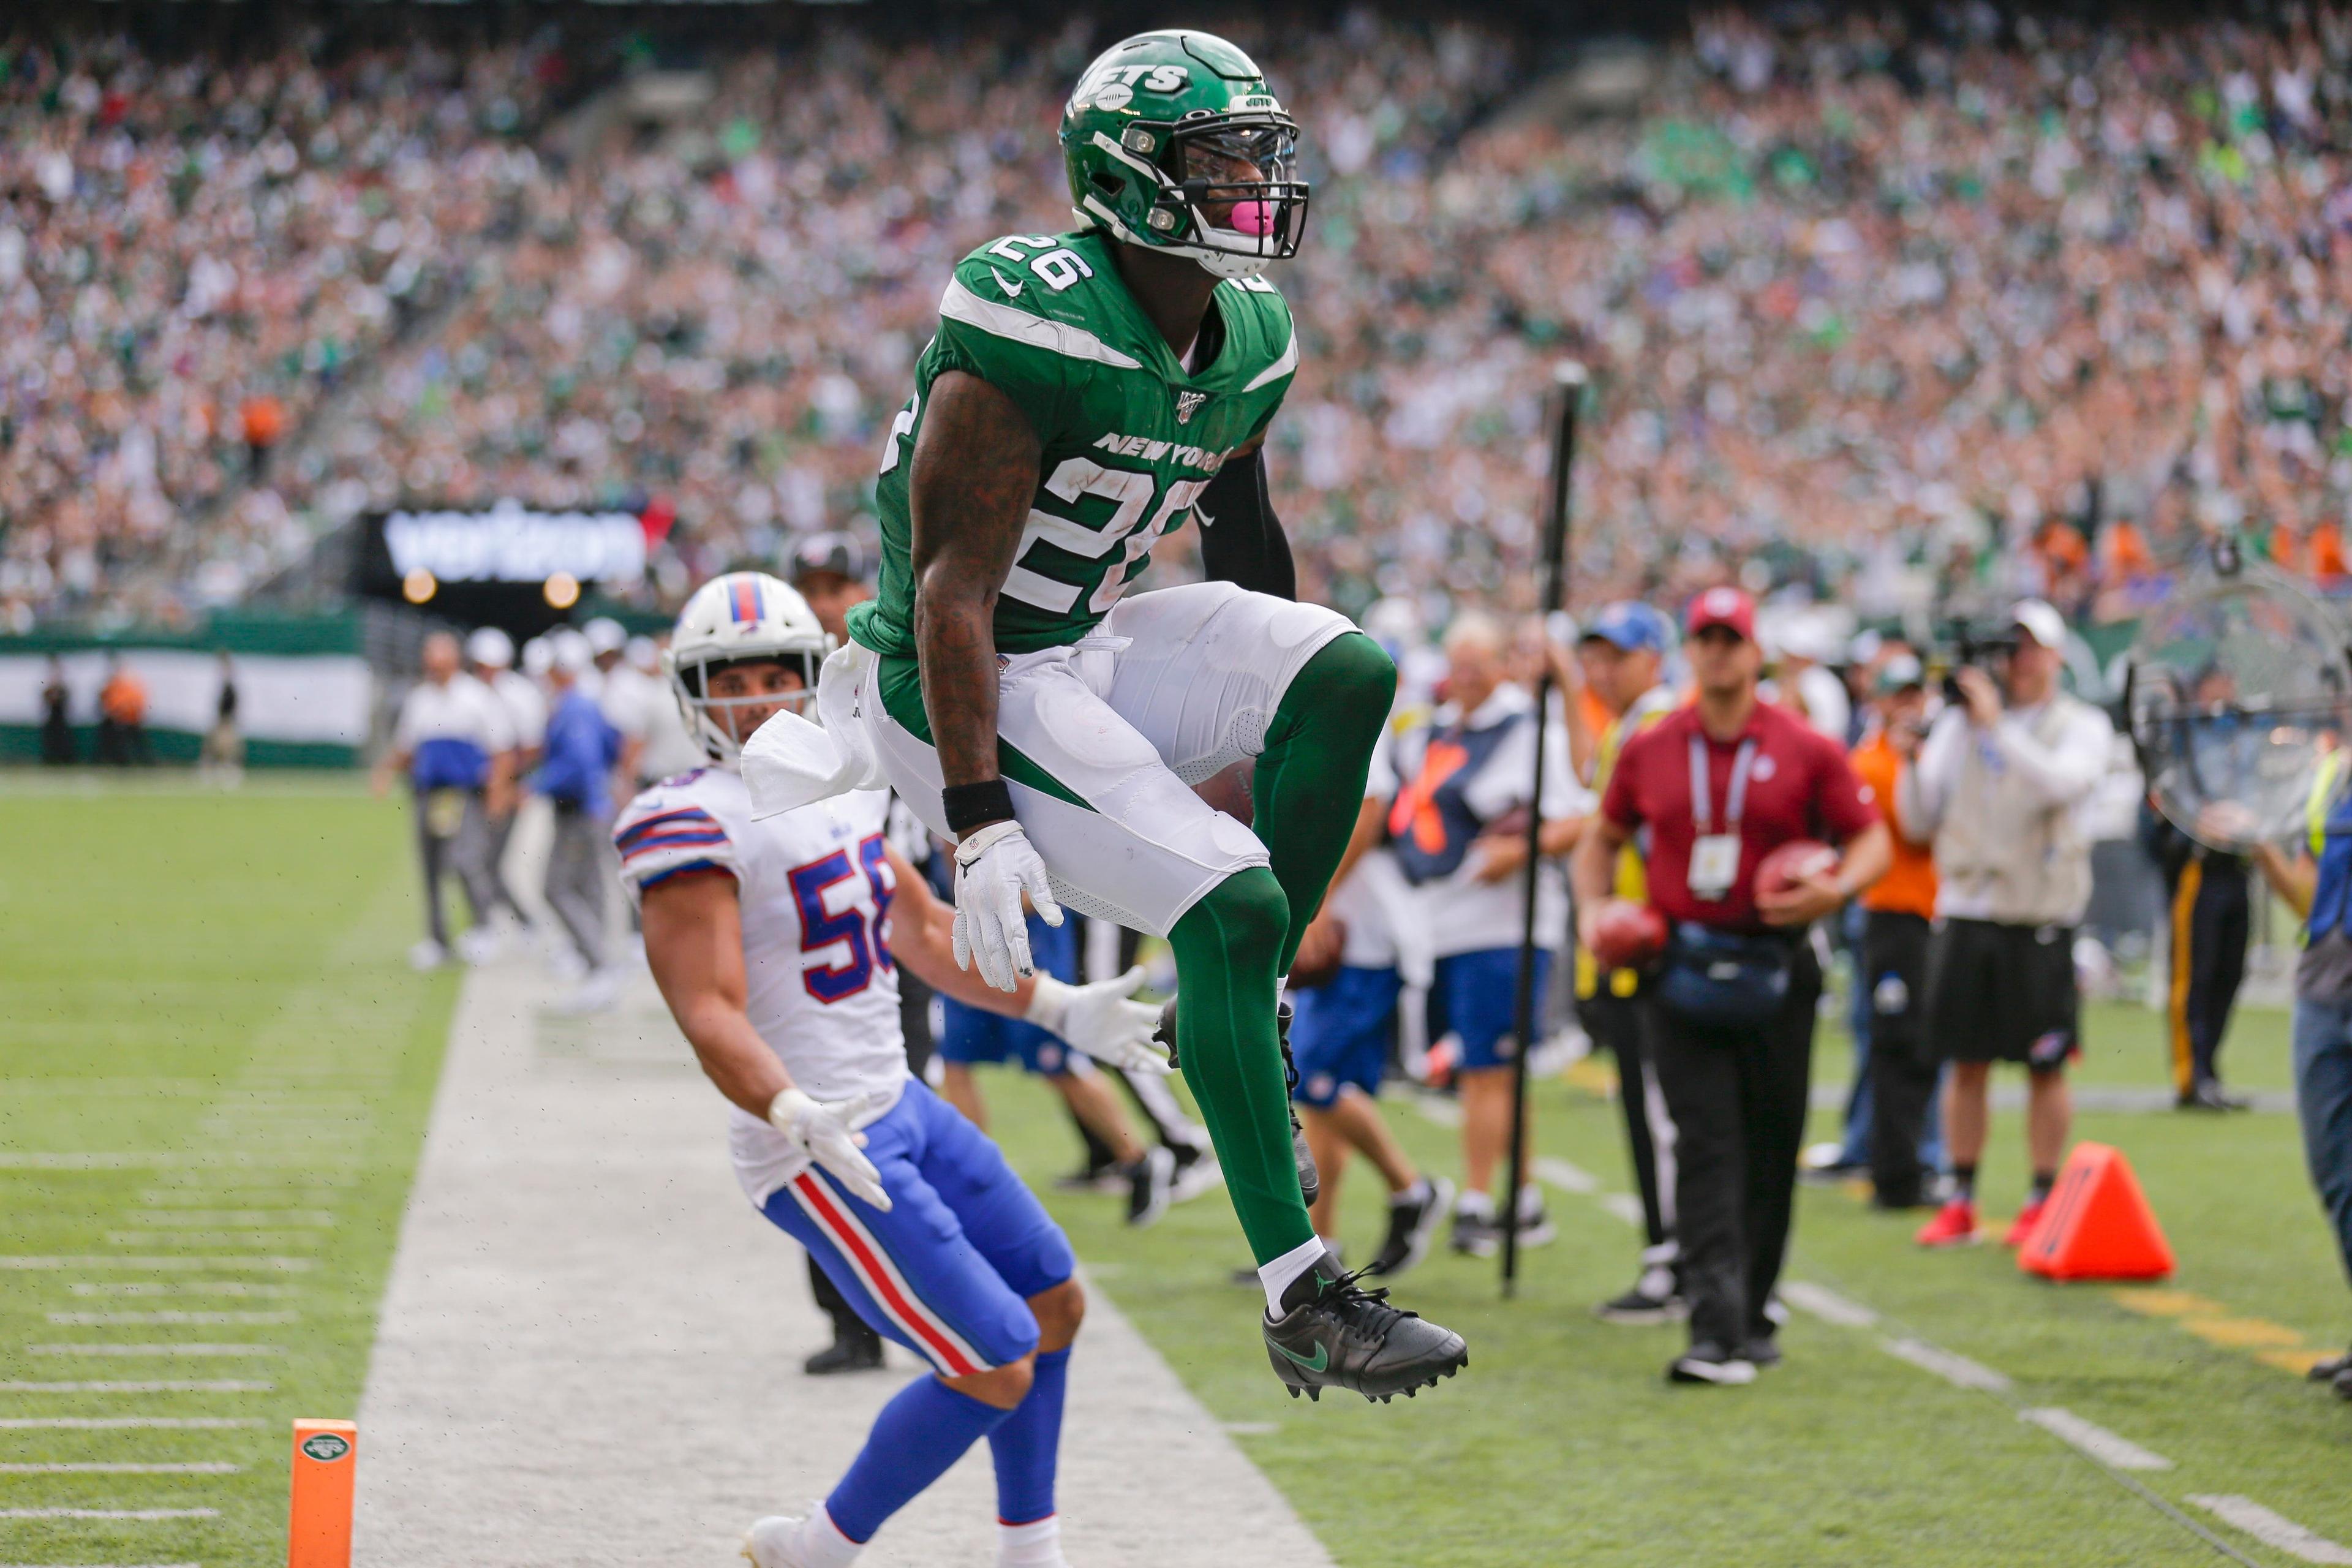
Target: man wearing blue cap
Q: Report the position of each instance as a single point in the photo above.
(1623, 652)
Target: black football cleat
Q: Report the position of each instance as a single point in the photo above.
(1310, 1181)
(1336, 1334)
(848, 1352)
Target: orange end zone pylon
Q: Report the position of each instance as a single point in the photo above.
(318, 1532)
(2098, 1224)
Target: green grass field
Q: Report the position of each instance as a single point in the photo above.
(213, 1056)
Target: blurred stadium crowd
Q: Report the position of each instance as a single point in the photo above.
(1906, 317)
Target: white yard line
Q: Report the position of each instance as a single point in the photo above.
(248, 1236)
(589, 1347)
(2275, 1530)
(2118, 1453)
(241, 1288)
(1623, 1205)
(1567, 1177)
(156, 1349)
(1827, 1305)
(177, 1265)
(147, 1386)
(241, 1219)
(1956, 1370)
(191, 1468)
(140, 1515)
(117, 1320)
(127, 1423)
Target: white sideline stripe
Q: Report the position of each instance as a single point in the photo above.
(1567, 1177)
(1827, 1305)
(142, 1514)
(1624, 1205)
(115, 1320)
(2117, 1453)
(136, 1160)
(157, 1350)
(1957, 1370)
(127, 1423)
(164, 1264)
(1444, 1113)
(2275, 1530)
(150, 1385)
(190, 1468)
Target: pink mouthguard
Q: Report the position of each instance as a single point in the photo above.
(1253, 218)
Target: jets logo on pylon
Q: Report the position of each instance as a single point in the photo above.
(1186, 403)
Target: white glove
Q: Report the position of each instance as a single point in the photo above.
(822, 1130)
(994, 866)
(1101, 1021)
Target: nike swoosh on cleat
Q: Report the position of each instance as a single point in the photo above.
(1322, 1357)
(1011, 290)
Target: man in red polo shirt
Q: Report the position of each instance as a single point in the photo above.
(1729, 1017)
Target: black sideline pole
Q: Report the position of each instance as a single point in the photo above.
(1567, 378)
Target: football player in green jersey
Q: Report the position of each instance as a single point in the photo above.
(1086, 393)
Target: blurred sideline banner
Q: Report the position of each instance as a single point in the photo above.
(305, 694)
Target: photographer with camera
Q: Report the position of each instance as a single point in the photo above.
(1998, 782)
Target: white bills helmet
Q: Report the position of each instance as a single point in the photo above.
(741, 616)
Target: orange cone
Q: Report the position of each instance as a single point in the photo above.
(2097, 1225)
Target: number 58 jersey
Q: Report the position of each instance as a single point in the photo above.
(814, 893)
(1130, 436)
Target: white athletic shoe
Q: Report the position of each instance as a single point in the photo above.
(780, 1541)
(563, 960)
(427, 955)
(479, 945)
(595, 994)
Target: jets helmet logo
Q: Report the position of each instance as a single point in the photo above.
(1186, 403)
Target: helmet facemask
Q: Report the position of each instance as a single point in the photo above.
(714, 720)
(1224, 189)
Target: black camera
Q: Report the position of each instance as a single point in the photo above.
(1970, 647)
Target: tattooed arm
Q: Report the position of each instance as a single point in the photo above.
(975, 470)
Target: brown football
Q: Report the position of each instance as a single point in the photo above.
(1627, 935)
(1798, 860)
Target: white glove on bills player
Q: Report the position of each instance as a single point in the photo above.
(823, 1131)
(1101, 1021)
(995, 865)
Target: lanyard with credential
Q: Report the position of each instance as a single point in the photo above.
(1735, 799)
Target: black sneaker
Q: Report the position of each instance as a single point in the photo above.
(2344, 1382)
(1310, 1182)
(850, 1353)
(1535, 1228)
(1651, 1300)
(1412, 1224)
(1476, 1235)
(2331, 1369)
(2208, 1095)
(1151, 1181)
(1709, 1362)
(1336, 1334)
(1762, 1351)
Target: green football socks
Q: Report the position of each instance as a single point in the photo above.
(1237, 942)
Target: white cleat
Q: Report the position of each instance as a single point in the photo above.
(594, 994)
(427, 956)
(480, 944)
(780, 1540)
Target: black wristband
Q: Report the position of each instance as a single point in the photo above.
(975, 806)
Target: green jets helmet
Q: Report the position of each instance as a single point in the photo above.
(1173, 141)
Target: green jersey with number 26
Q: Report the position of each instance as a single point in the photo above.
(1130, 438)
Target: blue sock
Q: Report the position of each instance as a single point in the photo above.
(917, 1435)
(1027, 1447)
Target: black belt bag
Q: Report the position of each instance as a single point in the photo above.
(1721, 979)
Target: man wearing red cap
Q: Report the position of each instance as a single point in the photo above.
(1729, 1017)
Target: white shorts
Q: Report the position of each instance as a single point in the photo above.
(1172, 688)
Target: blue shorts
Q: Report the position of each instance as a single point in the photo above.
(1340, 1034)
(949, 1271)
(972, 1036)
(1476, 996)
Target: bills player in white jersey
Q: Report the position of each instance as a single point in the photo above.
(776, 944)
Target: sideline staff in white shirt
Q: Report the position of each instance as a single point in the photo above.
(454, 743)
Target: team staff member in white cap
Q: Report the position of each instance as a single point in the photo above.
(454, 743)
(1998, 782)
(491, 653)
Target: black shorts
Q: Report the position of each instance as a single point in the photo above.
(2002, 994)
(1895, 968)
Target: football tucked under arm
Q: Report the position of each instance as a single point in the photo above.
(1241, 541)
